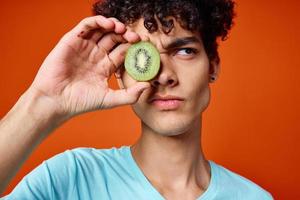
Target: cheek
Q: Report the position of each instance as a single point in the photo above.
(195, 85)
(198, 84)
(200, 94)
(194, 79)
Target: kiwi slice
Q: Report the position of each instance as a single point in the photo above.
(142, 61)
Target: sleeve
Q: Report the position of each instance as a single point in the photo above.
(50, 180)
(268, 196)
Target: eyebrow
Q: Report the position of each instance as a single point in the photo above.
(178, 42)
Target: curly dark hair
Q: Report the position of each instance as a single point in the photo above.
(211, 18)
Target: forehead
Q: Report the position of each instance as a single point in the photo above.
(159, 38)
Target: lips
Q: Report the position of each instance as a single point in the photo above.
(169, 102)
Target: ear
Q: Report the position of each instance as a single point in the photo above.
(214, 70)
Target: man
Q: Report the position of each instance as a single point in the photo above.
(167, 161)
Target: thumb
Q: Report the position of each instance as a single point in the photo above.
(126, 96)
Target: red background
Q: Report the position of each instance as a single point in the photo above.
(252, 124)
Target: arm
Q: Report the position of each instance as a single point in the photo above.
(22, 129)
(73, 79)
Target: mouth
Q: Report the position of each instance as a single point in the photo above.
(166, 102)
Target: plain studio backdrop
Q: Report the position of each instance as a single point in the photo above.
(252, 124)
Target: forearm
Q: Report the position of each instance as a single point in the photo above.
(25, 126)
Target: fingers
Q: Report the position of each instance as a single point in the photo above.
(110, 36)
(109, 41)
(116, 52)
(92, 23)
(130, 36)
(125, 96)
(119, 28)
(95, 27)
(117, 56)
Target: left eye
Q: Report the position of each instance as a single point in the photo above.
(186, 51)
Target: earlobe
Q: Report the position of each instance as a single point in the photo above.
(214, 70)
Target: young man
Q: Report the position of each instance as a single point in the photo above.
(167, 161)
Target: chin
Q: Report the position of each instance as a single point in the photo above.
(170, 126)
(167, 131)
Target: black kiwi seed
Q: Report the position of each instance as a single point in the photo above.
(142, 61)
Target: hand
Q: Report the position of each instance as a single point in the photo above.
(76, 72)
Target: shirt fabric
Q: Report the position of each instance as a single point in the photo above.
(113, 174)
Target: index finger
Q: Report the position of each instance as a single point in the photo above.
(129, 35)
(90, 24)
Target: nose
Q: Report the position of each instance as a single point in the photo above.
(166, 76)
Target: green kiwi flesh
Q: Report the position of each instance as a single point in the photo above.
(142, 61)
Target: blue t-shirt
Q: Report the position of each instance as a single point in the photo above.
(113, 174)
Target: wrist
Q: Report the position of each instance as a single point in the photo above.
(40, 108)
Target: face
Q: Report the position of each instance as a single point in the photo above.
(180, 92)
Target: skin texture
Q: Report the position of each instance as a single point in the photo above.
(172, 137)
(73, 79)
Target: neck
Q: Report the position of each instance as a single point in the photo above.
(173, 163)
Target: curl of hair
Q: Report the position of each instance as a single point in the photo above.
(212, 19)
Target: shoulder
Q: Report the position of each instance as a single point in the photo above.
(240, 186)
(64, 173)
(82, 156)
